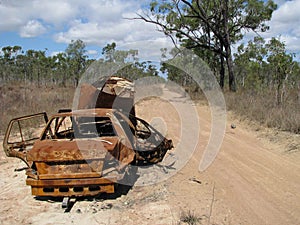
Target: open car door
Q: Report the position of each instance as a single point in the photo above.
(21, 134)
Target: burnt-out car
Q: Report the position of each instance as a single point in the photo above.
(83, 152)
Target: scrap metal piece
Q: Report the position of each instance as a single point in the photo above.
(65, 202)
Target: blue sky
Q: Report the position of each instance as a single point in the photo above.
(41, 24)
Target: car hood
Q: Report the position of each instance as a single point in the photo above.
(56, 150)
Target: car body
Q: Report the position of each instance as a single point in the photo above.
(83, 152)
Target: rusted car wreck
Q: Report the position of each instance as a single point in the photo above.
(85, 152)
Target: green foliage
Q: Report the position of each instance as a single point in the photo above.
(119, 56)
(35, 66)
(137, 70)
(188, 71)
(8, 52)
(250, 64)
(211, 27)
(66, 68)
(108, 51)
(261, 66)
(257, 12)
(76, 54)
(131, 68)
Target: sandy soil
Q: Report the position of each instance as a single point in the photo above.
(255, 179)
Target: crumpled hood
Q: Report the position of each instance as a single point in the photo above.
(79, 149)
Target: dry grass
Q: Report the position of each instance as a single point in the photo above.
(262, 107)
(19, 100)
(190, 218)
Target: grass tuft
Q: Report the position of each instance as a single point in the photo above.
(190, 218)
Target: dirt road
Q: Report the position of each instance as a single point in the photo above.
(251, 181)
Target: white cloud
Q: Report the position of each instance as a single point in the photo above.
(98, 22)
(285, 24)
(127, 34)
(90, 33)
(15, 14)
(149, 50)
(10, 17)
(33, 28)
(292, 42)
(112, 25)
(92, 52)
(287, 12)
(108, 12)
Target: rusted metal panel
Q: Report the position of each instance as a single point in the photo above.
(69, 175)
(112, 93)
(69, 182)
(69, 192)
(87, 96)
(71, 187)
(69, 169)
(73, 191)
(74, 150)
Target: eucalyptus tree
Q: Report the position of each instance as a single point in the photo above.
(60, 68)
(38, 65)
(10, 52)
(76, 53)
(250, 64)
(211, 26)
(282, 65)
(128, 62)
(8, 62)
(111, 54)
(265, 65)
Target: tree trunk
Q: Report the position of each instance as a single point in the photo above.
(227, 46)
(229, 62)
(222, 72)
(232, 84)
(278, 99)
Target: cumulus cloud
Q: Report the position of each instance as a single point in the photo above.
(33, 28)
(287, 12)
(285, 24)
(107, 11)
(31, 18)
(10, 18)
(126, 33)
(92, 33)
(113, 25)
(98, 22)
(55, 12)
